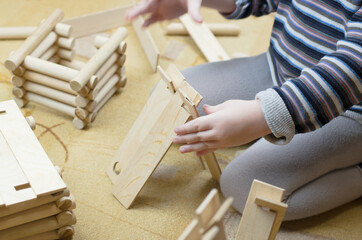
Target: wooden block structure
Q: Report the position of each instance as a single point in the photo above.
(263, 212)
(171, 104)
(45, 72)
(34, 200)
(209, 222)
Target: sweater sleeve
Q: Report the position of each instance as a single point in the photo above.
(245, 8)
(320, 93)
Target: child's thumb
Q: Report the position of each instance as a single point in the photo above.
(194, 10)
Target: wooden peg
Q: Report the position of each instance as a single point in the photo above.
(54, 59)
(63, 29)
(49, 53)
(17, 81)
(66, 54)
(48, 81)
(31, 122)
(122, 82)
(121, 60)
(107, 65)
(84, 91)
(64, 233)
(21, 102)
(19, 71)
(16, 32)
(100, 40)
(74, 64)
(93, 114)
(33, 40)
(67, 43)
(81, 101)
(79, 124)
(81, 113)
(18, 92)
(48, 41)
(98, 59)
(218, 29)
(93, 81)
(92, 95)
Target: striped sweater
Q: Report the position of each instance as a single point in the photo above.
(315, 56)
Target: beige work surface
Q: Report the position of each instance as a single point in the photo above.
(166, 204)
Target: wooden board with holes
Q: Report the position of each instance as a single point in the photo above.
(205, 40)
(98, 21)
(163, 112)
(24, 149)
(257, 222)
(147, 43)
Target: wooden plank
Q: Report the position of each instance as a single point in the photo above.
(192, 231)
(37, 167)
(147, 43)
(151, 140)
(208, 208)
(256, 222)
(98, 21)
(205, 40)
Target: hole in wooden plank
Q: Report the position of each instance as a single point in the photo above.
(117, 168)
(23, 186)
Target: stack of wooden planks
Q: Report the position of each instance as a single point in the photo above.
(35, 203)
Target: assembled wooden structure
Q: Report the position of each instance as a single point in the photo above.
(45, 72)
(34, 200)
(171, 104)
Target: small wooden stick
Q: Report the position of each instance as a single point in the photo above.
(21, 102)
(81, 113)
(30, 120)
(48, 41)
(39, 226)
(17, 81)
(79, 124)
(110, 84)
(66, 54)
(92, 95)
(98, 59)
(63, 30)
(122, 82)
(64, 233)
(91, 117)
(61, 107)
(50, 93)
(93, 81)
(54, 59)
(33, 40)
(19, 71)
(219, 29)
(18, 92)
(75, 64)
(49, 53)
(100, 40)
(48, 81)
(121, 71)
(121, 60)
(67, 43)
(16, 32)
(84, 91)
(81, 101)
(107, 65)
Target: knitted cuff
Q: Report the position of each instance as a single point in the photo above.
(241, 7)
(277, 117)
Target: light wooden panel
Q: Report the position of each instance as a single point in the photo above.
(205, 40)
(37, 167)
(98, 21)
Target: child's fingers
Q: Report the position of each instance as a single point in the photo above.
(195, 137)
(197, 147)
(142, 8)
(196, 125)
(154, 18)
(194, 10)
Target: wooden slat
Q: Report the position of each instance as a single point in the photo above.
(205, 40)
(147, 43)
(256, 222)
(192, 231)
(208, 208)
(98, 21)
(37, 167)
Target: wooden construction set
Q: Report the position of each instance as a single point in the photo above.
(261, 219)
(45, 72)
(34, 200)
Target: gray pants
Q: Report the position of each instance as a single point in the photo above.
(319, 170)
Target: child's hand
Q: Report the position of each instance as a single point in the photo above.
(165, 9)
(232, 123)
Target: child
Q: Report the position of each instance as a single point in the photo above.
(303, 96)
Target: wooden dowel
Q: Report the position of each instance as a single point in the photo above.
(66, 54)
(100, 40)
(30, 215)
(75, 64)
(107, 65)
(93, 81)
(81, 101)
(50, 69)
(48, 81)
(98, 59)
(64, 233)
(58, 106)
(21, 102)
(19, 71)
(81, 113)
(18, 92)
(33, 40)
(44, 225)
(17, 81)
(63, 30)
(121, 60)
(121, 71)
(67, 43)
(30, 120)
(49, 53)
(122, 82)
(50, 93)
(84, 91)
(16, 32)
(109, 85)
(219, 29)
(92, 116)
(93, 94)
(48, 41)
(79, 124)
